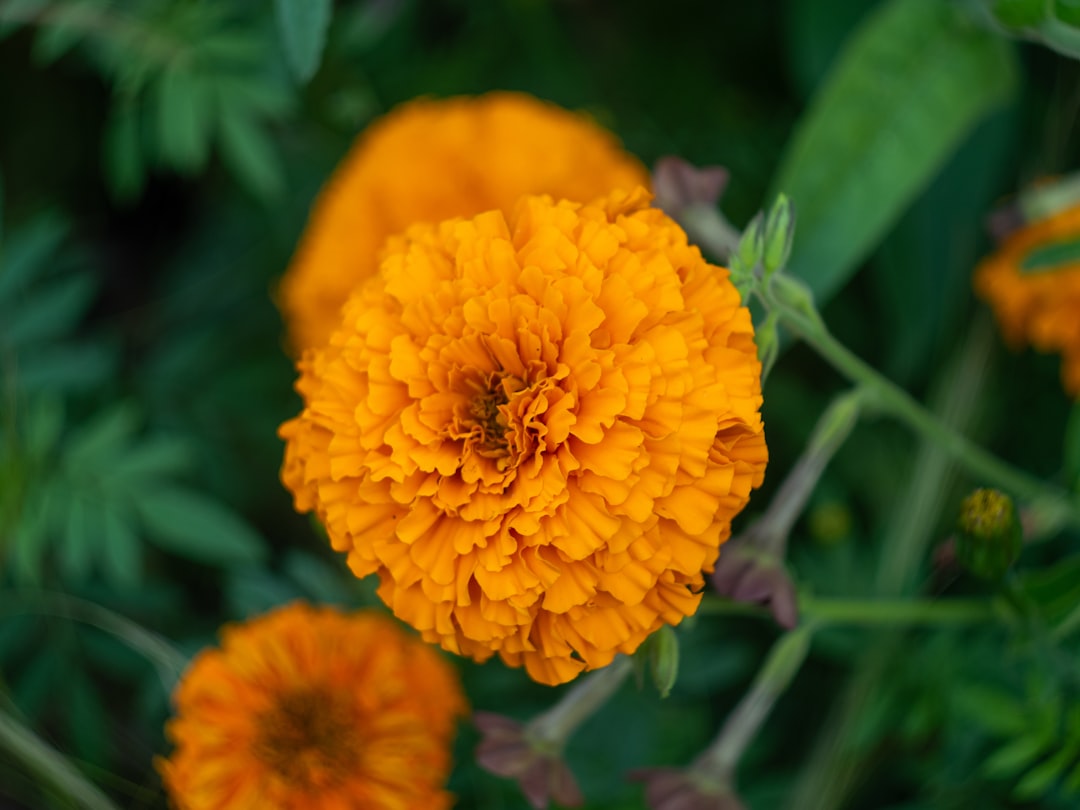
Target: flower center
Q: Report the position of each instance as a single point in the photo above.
(309, 738)
(485, 412)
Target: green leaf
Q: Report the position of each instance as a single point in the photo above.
(44, 421)
(1012, 758)
(992, 709)
(124, 162)
(192, 525)
(51, 311)
(93, 447)
(76, 547)
(1054, 592)
(303, 25)
(248, 153)
(1051, 257)
(912, 81)
(156, 457)
(1042, 777)
(64, 367)
(37, 684)
(26, 253)
(122, 554)
(184, 119)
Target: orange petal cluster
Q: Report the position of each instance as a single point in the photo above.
(312, 709)
(535, 429)
(428, 161)
(1038, 306)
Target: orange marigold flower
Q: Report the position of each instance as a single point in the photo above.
(308, 708)
(431, 160)
(536, 429)
(1032, 283)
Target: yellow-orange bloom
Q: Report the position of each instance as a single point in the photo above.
(311, 709)
(431, 160)
(1032, 282)
(536, 429)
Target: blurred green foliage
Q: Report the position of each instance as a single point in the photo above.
(158, 158)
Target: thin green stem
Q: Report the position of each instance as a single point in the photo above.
(718, 762)
(868, 612)
(552, 728)
(770, 533)
(891, 399)
(46, 763)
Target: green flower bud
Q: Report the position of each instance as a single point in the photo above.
(794, 295)
(664, 659)
(744, 261)
(988, 536)
(1020, 13)
(768, 343)
(779, 232)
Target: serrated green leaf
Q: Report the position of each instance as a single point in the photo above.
(67, 24)
(185, 107)
(993, 709)
(122, 554)
(76, 546)
(303, 25)
(912, 81)
(65, 367)
(155, 457)
(94, 446)
(43, 425)
(248, 153)
(29, 540)
(125, 167)
(1014, 757)
(26, 253)
(1042, 777)
(52, 310)
(192, 525)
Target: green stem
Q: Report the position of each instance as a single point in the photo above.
(48, 764)
(771, 532)
(552, 728)
(891, 399)
(718, 762)
(867, 612)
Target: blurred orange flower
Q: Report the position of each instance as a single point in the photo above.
(311, 709)
(535, 429)
(1032, 282)
(428, 161)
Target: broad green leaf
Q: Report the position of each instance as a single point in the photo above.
(248, 153)
(303, 25)
(51, 311)
(192, 525)
(26, 252)
(184, 119)
(122, 554)
(914, 78)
